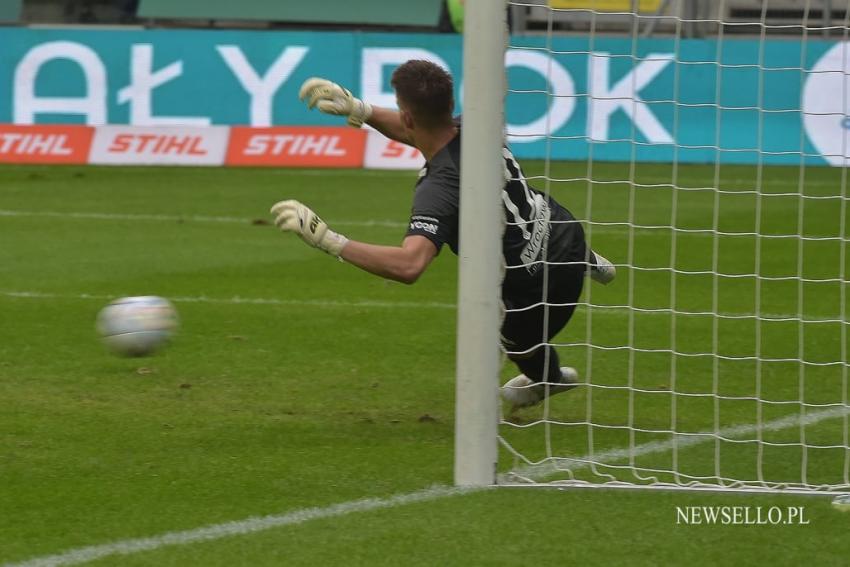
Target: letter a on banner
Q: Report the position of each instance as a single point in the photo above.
(27, 104)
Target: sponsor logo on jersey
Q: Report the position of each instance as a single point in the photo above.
(538, 217)
(539, 235)
(296, 146)
(44, 144)
(427, 224)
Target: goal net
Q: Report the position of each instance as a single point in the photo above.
(703, 146)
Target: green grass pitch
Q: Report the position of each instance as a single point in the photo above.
(299, 382)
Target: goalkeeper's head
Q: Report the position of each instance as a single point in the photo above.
(425, 95)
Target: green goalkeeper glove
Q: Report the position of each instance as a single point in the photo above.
(331, 98)
(292, 216)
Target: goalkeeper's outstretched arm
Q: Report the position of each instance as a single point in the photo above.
(331, 98)
(403, 263)
(388, 122)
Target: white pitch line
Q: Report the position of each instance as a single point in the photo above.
(262, 523)
(239, 527)
(247, 301)
(405, 174)
(596, 227)
(597, 310)
(277, 171)
(410, 174)
(175, 218)
(683, 181)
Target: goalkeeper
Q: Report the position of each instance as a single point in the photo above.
(536, 225)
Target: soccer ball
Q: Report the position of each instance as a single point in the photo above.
(137, 326)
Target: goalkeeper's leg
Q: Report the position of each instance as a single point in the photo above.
(541, 365)
(541, 377)
(524, 329)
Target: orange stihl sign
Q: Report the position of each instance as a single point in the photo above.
(296, 147)
(45, 144)
(283, 146)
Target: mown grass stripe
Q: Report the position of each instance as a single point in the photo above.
(262, 523)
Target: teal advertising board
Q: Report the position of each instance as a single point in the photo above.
(741, 101)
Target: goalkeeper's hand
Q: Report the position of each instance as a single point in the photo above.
(331, 98)
(292, 216)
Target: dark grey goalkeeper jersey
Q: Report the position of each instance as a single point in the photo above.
(535, 222)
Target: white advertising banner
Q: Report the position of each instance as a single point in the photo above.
(383, 153)
(159, 145)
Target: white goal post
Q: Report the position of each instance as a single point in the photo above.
(704, 147)
(480, 258)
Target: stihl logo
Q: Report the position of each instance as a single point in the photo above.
(14, 143)
(154, 144)
(41, 143)
(395, 149)
(294, 145)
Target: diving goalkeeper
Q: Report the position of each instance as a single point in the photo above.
(536, 224)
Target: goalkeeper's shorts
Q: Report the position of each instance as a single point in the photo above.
(527, 319)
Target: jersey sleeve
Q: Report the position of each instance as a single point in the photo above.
(434, 214)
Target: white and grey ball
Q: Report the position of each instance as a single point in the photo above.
(137, 326)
